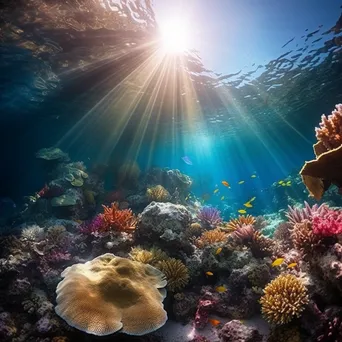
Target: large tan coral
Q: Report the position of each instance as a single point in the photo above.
(109, 293)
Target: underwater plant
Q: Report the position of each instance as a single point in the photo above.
(284, 298)
(210, 237)
(209, 216)
(158, 194)
(176, 273)
(236, 223)
(116, 219)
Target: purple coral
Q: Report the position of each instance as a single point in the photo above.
(209, 216)
(92, 227)
(298, 215)
(202, 313)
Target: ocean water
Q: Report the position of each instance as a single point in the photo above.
(234, 111)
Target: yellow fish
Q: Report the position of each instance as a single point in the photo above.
(186, 198)
(277, 262)
(225, 183)
(241, 182)
(242, 211)
(218, 251)
(248, 205)
(253, 176)
(216, 191)
(222, 198)
(252, 199)
(281, 182)
(214, 322)
(294, 264)
(209, 273)
(220, 289)
(288, 183)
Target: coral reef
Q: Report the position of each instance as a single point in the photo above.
(235, 331)
(327, 224)
(158, 194)
(284, 298)
(110, 293)
(241, 221)
(211, 237)
(209, 217)
(152, 256)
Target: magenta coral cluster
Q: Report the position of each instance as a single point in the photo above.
(209, 216)
(92, 227)
(329, 224)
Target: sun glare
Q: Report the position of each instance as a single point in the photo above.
(174, 35)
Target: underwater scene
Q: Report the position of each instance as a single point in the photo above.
(171, 171)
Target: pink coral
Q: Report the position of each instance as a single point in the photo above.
(202, 313)
(330, 129)
(329, 224)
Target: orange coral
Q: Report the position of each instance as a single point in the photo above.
(116, 219)
(236, 223)
(210, 237)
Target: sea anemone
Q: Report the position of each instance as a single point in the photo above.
(210, 237)
(116, 219)
(284, 298)
(304, 239)
(298, 215)
(209, 216)
(152, 256)
(177, 274)
(158, 194)
(236, 223)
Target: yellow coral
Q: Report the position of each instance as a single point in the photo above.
(236, 223)
(158, 194)
(176, 273)
(284, 298)
(109, 293)
(210, 237)
(152, 256)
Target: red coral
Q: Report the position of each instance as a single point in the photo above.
(51, 191)
(116, 219)
(328, 225)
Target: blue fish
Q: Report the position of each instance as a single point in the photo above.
(187, 160)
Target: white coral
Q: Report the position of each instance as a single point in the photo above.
(33, 233)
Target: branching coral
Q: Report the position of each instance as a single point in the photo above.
(108, 294)
(284, 298)
(116, 219)
(210, 237)
(177, 274)
(158, 194)
(330, 129)
(209, 216)
(304, 239)
(329, 224)
(298, 215)
(33, 233)
(236, 223)
(152, 256)
(92, 227)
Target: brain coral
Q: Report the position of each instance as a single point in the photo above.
(109, 293)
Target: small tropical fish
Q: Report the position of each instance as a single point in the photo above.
(209, 273)
(218, 251)
(248, 205)
(241, 182)
(277, 262)
(216, 191)
(222, 198)
(252, 199)
(288, 183)
(294, 264)
(187, 160)
(186, 198)
(242, 211)
(214, 322)
(253, 176)
(225, 183)
(281, 182)
(221, 289)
